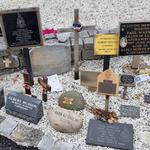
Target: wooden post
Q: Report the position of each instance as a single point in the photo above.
(76, 47)
(135, 62)
(107, 103)
(28, 65)
(106, 62)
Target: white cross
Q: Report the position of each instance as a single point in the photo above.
(7, 62)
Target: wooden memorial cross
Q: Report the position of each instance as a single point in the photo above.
(108, 84)
(44, 83)
(76, 28)
(7, 62)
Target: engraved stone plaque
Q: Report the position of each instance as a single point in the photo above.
(114, 135)
(134, 38)
(129, 111)
(127, 80)
(24, 107)
(107, 87)
(21, 27)
(147, 98)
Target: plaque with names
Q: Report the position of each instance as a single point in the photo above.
(116, 135)
(129, 111)
(127, 80)
(147, 98)
(21, 28)
(24, 107)
(134, 38)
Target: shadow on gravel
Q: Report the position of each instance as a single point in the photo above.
(7, 144)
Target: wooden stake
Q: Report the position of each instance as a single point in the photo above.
(107, 103)
(106, 62)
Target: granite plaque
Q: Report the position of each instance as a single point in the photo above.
(24, 107)
(2, 98)
(147, 98)
(21, 27)
(127, 80)
(129, 111)
(114, 135)
(134, 38)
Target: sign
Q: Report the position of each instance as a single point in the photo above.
(116, 135)
(134, 38)
(106, 44)
(108, 83)
(24, 107)
(21, 28)
(127, 80)
(129, 111)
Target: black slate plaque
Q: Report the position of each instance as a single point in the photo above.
(114, 135)
(2, 98)
(134, 38)
(147, 98)
(129, 111)
(24, 107)
(107, 87)
(127, 80)
(21, 27)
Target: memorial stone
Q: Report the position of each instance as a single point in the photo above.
(72, 100)
(24, 107)
(116, 135)
(127, 80)
(50, 59)
(129, 111)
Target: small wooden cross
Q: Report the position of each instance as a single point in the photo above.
(7, 62)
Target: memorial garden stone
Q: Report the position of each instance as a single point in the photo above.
(65, 121)
(26, 135)
(116, 135)
(2, 98)
(24, 107)
(129, 111)
(72, 100)
(50, 59)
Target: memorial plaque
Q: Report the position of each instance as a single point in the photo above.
(24, 107)
(147, 98)
(21, 27)
(114, 135)
(134, 38)
(129, 111)
(127, 80)
(2, 98)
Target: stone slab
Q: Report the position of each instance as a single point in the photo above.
(114, 135)
(127, 80)
(7, 126)
(2, 118)
(51, 59)
(47, 142)
(24, 107)
(27, 136)
(129, 111)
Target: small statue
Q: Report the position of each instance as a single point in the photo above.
(44, 83)
(110, 117)
(26, 85)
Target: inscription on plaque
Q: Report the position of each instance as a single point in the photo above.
(127, 80)
(21, 27)
(107, 87)
(115, 135)
(129, 111)
(134, 38)
(24, 107)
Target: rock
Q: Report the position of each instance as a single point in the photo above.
(50, 59)
(27, 136)
(7, 126)
(72, 100)
(64, 121)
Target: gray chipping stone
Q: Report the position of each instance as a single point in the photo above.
(27, 136)
(72, 100)
(51, 59)
(129, 111)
